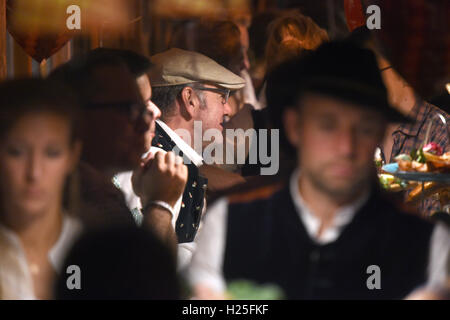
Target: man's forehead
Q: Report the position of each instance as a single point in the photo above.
(144, 78)
(317, 105)
(144, 83)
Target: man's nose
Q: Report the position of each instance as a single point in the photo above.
(227, 110)
(346, 143)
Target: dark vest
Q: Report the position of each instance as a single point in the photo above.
(267, 243)
(193, 196)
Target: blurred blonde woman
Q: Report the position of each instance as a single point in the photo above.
(39, 151)
(289, 35)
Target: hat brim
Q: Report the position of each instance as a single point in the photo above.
(358, 94)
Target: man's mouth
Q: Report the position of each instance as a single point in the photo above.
(342, 171)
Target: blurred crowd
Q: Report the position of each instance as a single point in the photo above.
(104, 195)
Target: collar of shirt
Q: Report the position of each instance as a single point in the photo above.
(182, 145)
(419, 114)
(71, 228)
(312, 224)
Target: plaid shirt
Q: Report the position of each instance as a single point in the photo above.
(412, 136)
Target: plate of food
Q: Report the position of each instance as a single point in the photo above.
(393, 169)
(423, 173)
(426, 164)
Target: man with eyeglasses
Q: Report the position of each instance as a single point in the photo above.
(139, 66)
(116, 122)
(191, 89)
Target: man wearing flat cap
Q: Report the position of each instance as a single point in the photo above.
(192, 93)
(329, 232)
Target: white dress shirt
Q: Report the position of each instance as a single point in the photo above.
(207, 262)
(123, 182)
(15, 276)
(249, 91)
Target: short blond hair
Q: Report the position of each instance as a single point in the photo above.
(289, 35)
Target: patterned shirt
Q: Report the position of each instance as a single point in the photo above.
(412, 136)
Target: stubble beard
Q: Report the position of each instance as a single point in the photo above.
(341, 194)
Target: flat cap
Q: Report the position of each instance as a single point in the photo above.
(176, 67)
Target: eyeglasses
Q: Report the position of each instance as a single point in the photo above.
(225, 93)
(133, 109)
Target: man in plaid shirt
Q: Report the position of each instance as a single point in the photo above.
(409, 136)
(406, 137)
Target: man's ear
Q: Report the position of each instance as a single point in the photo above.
(291, 125)
(189, 103)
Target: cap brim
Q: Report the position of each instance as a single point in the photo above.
(236, 86)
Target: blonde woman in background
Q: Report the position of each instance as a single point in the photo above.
(289, 36)
(292, 27)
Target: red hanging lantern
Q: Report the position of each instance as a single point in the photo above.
(354, 14)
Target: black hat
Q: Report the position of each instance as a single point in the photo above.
(339, 69)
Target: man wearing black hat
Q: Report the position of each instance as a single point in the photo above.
(328, 233)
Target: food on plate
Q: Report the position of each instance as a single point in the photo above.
(391, 183)
(378, 159)
(429, 189)
(430, 158)
(403, 157)
(442, 161)
(433, 148)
